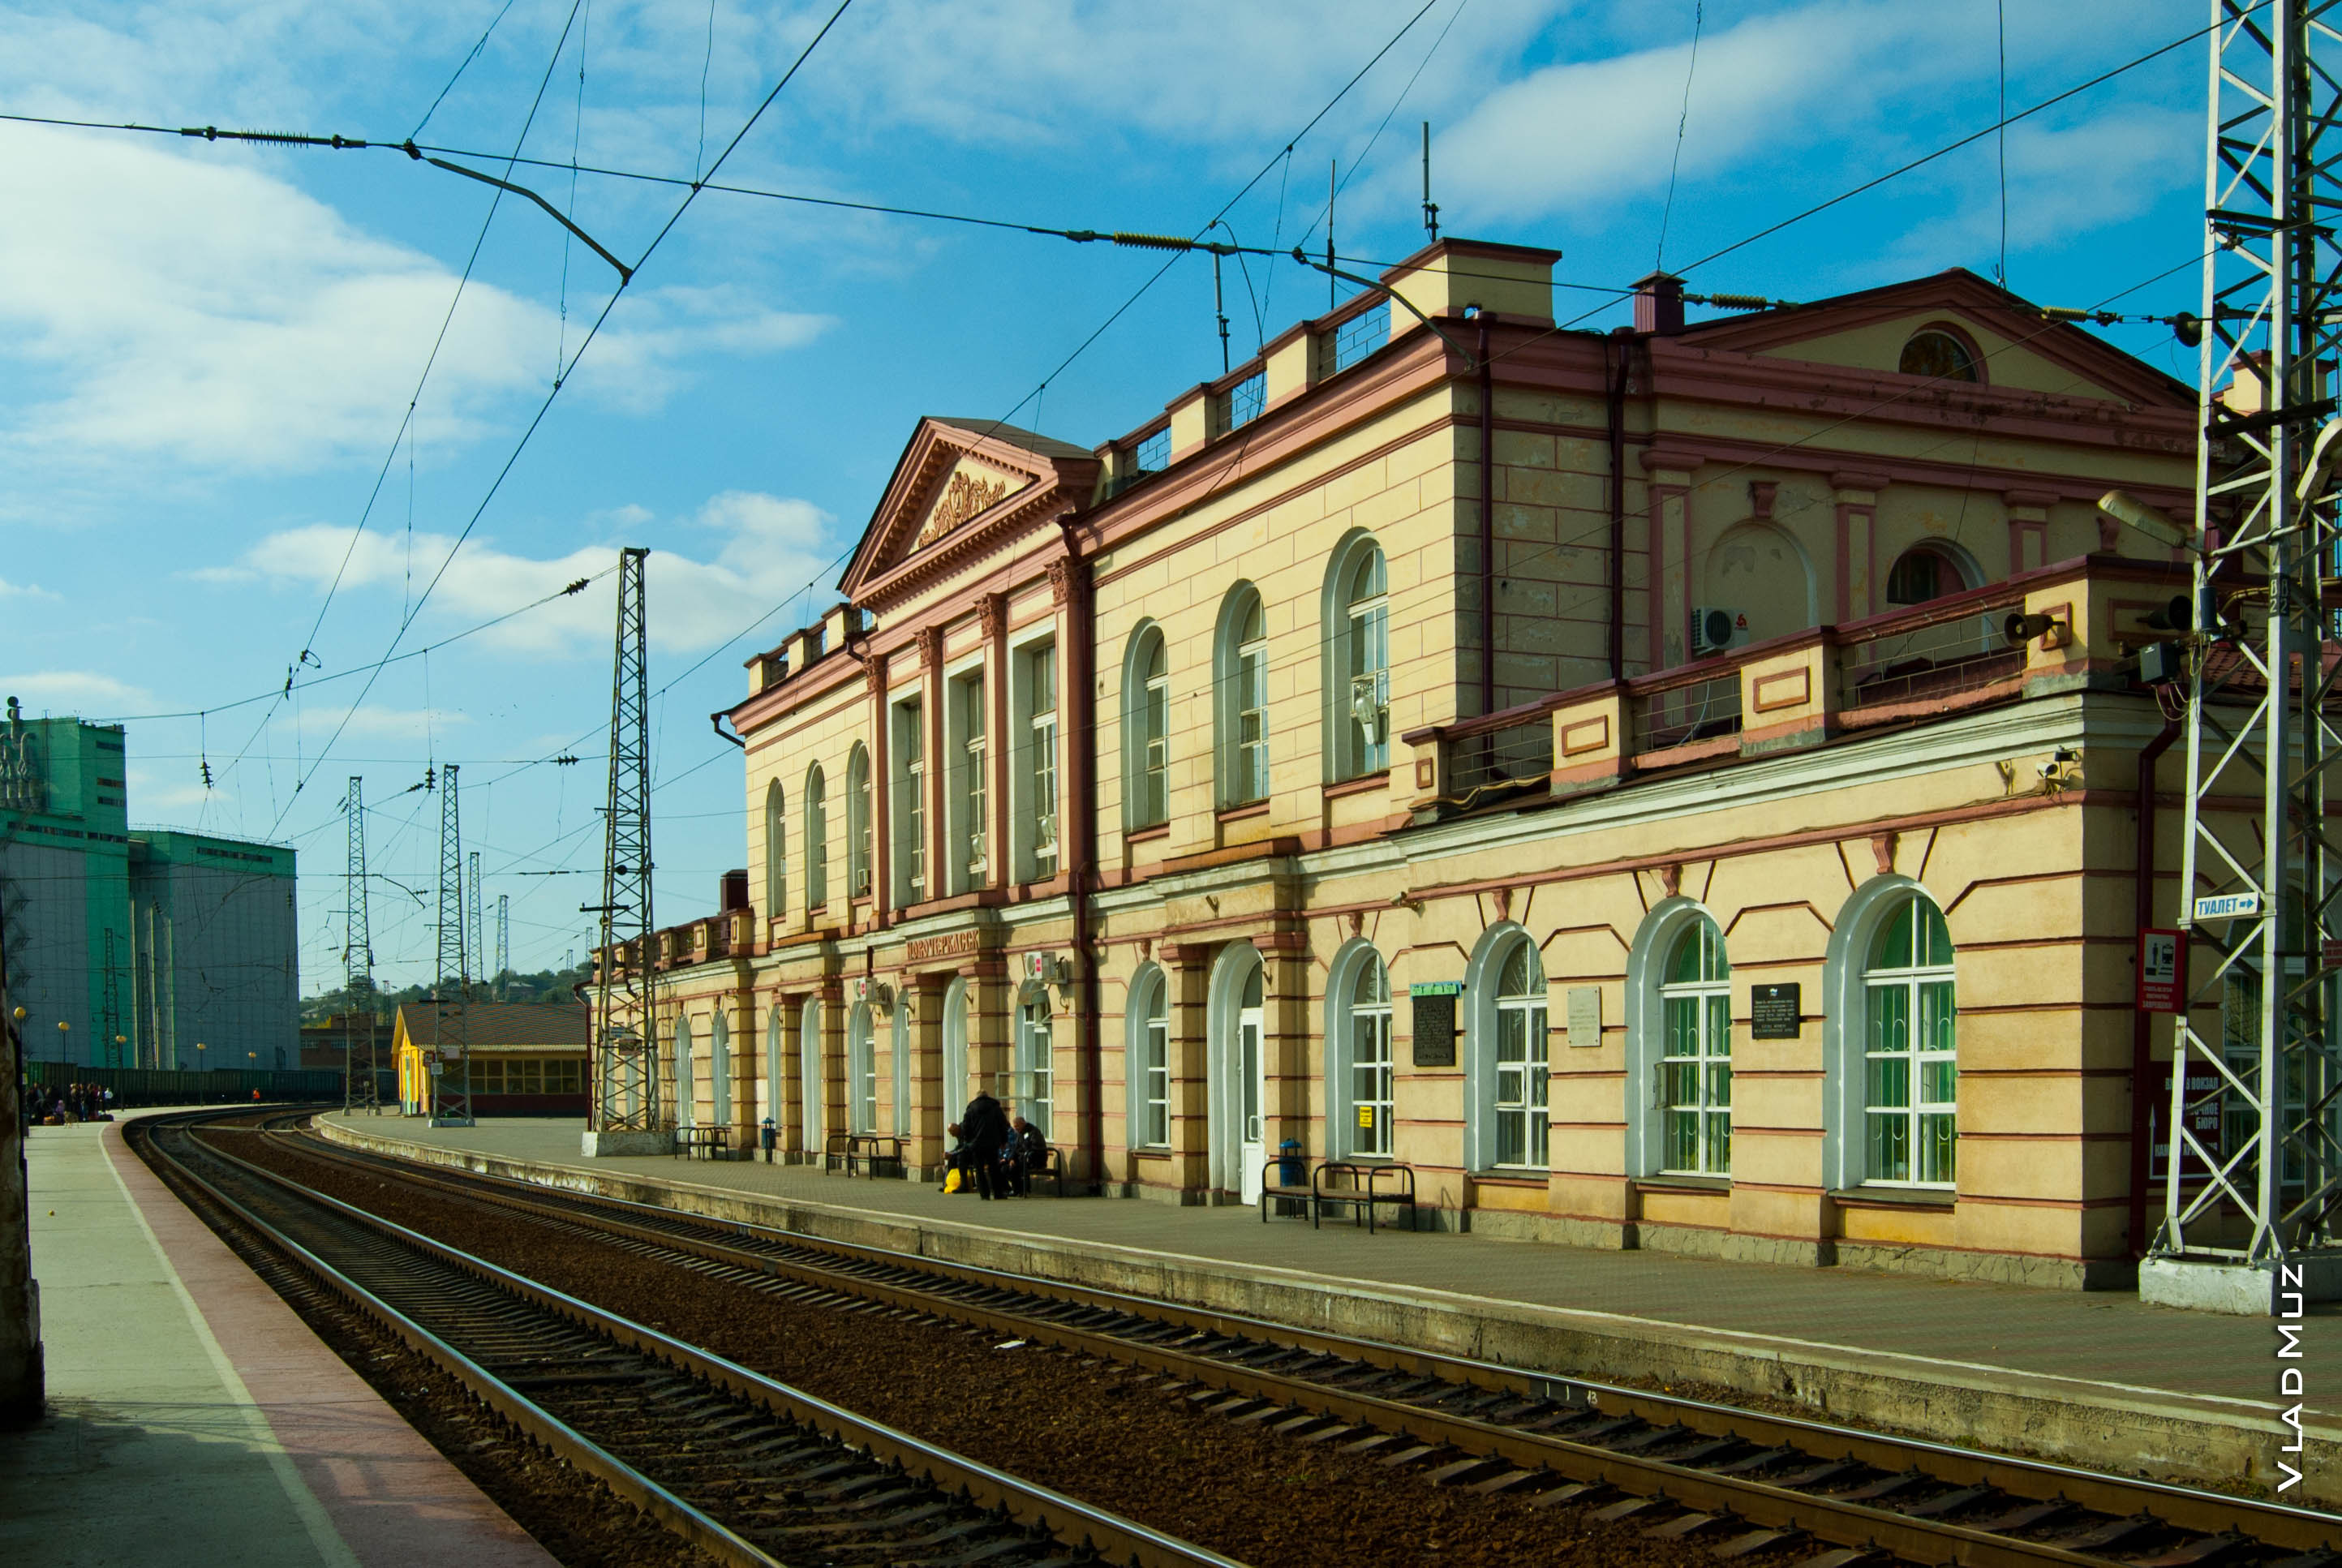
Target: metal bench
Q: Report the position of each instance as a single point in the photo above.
(1052, 1166)
(709, 1140)
(1371, 1183)
(1271, 1187)
(844, 1151)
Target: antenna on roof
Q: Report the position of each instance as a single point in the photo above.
(1430, 207)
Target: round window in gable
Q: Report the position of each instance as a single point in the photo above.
(1922, 575)
(1938, 356)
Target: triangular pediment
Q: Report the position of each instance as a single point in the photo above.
(2019, 349)
(959, 482)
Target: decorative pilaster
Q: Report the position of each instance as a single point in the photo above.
(1668, 502)
(1860, 575)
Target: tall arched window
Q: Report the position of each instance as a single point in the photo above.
(1365, 1101)
(776, 851)
(1150, 1059)
(1357, 644)
(769, 1099)
(687, 1110)
(817, 830)
(810, 1113)
(861, 1071)
(719, 1068)
(1910, 1078)
(858, 822)
(1520, 1063)
(1694, 1066)
(1147, 729)
(959, 998)
(901, 1125)
(1240, 678)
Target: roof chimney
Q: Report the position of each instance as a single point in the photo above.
(735, 891)
(1659, 302)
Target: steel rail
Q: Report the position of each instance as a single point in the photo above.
(1074, 1522)
(2204, 1514)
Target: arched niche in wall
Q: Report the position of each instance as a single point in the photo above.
(1759, 571)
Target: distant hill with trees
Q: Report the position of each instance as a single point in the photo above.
(547, 985)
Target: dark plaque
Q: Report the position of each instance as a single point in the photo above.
(1773, 1012)
(1435, 1027)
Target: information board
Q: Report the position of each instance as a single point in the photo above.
(1774, 1012)
(2162, 966)
(1585, 1017)
(1435, 1022)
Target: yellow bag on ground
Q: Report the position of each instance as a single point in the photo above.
(951, 1180)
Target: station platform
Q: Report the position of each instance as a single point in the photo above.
(191, 1416)
(2096, 1379)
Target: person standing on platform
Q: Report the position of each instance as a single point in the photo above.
(983, 1132)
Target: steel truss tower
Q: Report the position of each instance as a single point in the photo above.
(358, 1082)
(476, 947)
(503, 942)
(625, 1056)
(2254, 1177)
(451, 1097)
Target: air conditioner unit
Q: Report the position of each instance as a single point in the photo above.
(1715, 629)
(862, 884)
(1370, 708)
(977, 863)
(1045, 833)
(881, 996)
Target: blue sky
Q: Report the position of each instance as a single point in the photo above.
(209, 349)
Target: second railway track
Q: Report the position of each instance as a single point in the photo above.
(1745, 1481)
(747, 1469)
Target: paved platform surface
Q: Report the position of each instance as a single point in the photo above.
(192, 1418)
(1951, 1330)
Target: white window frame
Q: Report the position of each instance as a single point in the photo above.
(1035, 802)
(1905, 985)
(967, 740)
(960, 1002)
(1150, 1055)
(901, 1065)
(1362, 1057)
(1357, 649)
(1499, 1090)
(687, 1113)
(859, 846)
(1146, 729)
(812, 1115)
(816, 829)
(719, 1068)
(862, 1069)
(1034, 1061)
(1240, 679)
(908, 821)
(1704, 1003)
(776, 850)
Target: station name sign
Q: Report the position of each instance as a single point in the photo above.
(950, 945)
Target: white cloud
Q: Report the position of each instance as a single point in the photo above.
(197, 308)
(766, 550)
(87, 693)
(23, 591)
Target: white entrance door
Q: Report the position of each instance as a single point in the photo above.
(1251, 1142)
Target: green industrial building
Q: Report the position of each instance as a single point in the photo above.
(135, 949)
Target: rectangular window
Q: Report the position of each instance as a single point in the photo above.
(1369, 694)
(910, 823)
(1155, 788)
(1372, 1101)
(973, 831)
(1252, 723)
(1361, 336)
(487, 1077)
(1156, 1127)
(1911, 1082)
(1245, 399)
(1521, 1074)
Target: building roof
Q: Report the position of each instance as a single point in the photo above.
(1032, 441)
(558, 1026)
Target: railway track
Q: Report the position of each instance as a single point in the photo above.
(1814, 1492)
(749, 1470)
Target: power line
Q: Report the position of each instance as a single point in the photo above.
(462, 65)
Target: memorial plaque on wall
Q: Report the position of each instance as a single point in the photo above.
(1435, 1022)
(1773, 1012)
(1585, 1017)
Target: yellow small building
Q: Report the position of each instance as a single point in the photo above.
(528, 1059)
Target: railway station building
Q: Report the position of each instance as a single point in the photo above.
(1595, 770)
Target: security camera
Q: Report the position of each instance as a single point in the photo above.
(2050, 769)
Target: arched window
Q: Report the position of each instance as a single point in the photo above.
(901, 1125)
(1031, 1093)
(1518, 1080)
(1910, 1069)
(1363, 1099)
(776, 851)
(817, 830)
(858, 822)
(1694, 1066)
(1150, 1059)
(686, 1112)
(1938, 355)
(861, 1071)
(959, 998)
(1357, 644)
(1925, 572)
(1147, 729)
(769, 1098)
(1240, 678)
(719, 1068)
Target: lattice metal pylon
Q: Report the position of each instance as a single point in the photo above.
(451, 1087)
(625, 1058)
(504, 943)
(359, 1078)
(475, 948)
(2254, 1177)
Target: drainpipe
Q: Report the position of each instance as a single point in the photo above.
(1615, 388)
(2142, 1060)
(1487, 523)
(1081, 761)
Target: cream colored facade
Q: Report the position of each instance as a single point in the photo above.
(1282, 744)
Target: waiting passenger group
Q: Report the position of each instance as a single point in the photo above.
(995, 1153)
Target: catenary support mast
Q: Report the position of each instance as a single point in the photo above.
(626, 1056)
(504, 943)
(452, 993)
(2253, 1178)
(476, 947)
(359, 1067)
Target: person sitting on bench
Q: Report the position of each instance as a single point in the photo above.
(1029, 1151)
